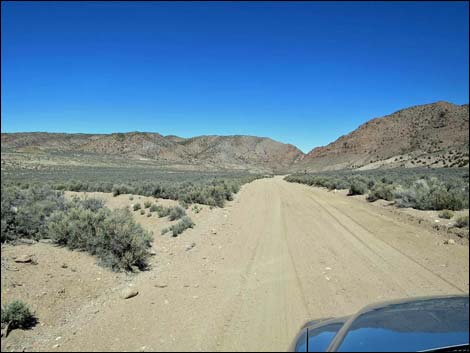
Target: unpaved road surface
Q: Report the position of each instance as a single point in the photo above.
(281, 254)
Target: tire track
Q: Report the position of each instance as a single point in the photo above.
(384, 243)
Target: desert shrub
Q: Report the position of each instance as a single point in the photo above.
(461, 222)
(113, 236)
(446, 214)
(181, 226)
(189, 187)
(357, 187)
(136, 207)
(431, 194)
(154, 208)
(142, 212)
(443, 189)
(196, 209)
(75, 226)
(120, 189)
(131, 198)
(92, 204)
(164, 231)
(381, 191)
(163, 211)
(25, 211)
(371, 184)
(121, 243)
(176, 213)
(18, 315)
(183, 204)
(149, 214)
(147, 204)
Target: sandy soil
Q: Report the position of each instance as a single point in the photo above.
(278, 255)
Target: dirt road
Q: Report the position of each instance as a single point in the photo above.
(282, 254)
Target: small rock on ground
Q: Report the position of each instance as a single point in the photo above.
(129, 293)
(24, 259)
(190, 246)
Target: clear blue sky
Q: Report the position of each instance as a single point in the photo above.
(299, 72)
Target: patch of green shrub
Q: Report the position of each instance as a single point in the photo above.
(91, 204)
(446, 214)
(25, 211)
(17, 315)
(113, 236)
(142, 212)
(176, 213)
(461, 222)
(118, 189)
(163, 211)
(136, 207)
(420, 188)
(196, 209)
(147, 204)
(183, 204)
(381, 191)
(75, 227)
(155, 208)
(357, 187)
(181, 226)
(431, 194)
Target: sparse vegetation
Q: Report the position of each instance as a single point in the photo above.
(176, 213)
(81, 224)
(181, 226)
(431, 194)
(381, 191)
(424, 189)
(163, 211)
(25, 211)
(112, 236)
(446, 214)
(461, 222)
(17, 315)
(196, 209)
(189, 187)
(136, 207)
(147, 204)
(357, 187)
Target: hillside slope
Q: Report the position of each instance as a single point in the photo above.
(233, 152)
(433, 135)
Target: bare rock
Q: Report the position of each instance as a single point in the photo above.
(190, 246)
(27, 241)
(129, 293)
(24, 259)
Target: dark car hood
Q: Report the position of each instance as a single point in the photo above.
(405, 325)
